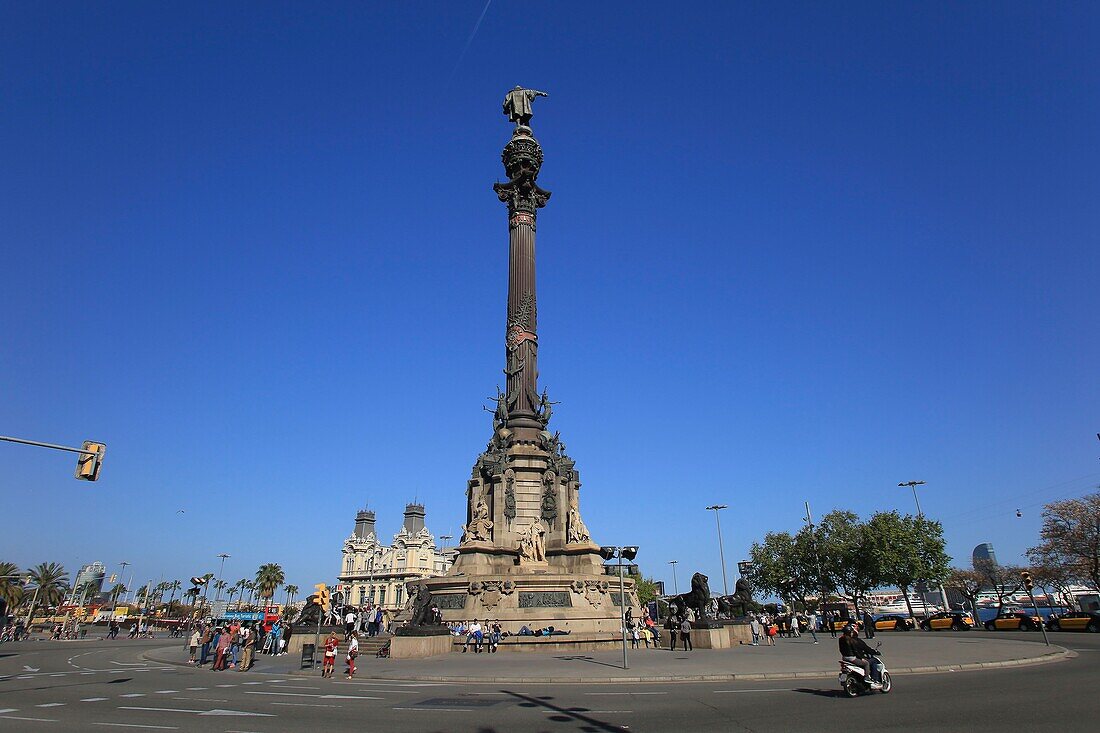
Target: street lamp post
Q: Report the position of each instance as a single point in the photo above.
(920, 515)
(221, 571)
(675, 585)
(721, 551)
(913, 485)
(627, 553)
(115, 606)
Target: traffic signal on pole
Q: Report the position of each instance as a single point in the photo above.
(1027, 580)
(114, 577)
(323, 597)
(87, 465)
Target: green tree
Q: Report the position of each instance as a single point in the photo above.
(268, 578)
(645, 587)
(291, 592)
(908, 549)
(51, 581)
(1070, 538)
(11, 584)
(115, 593)
(846, 546)
(790, 566)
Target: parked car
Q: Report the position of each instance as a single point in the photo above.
(954, 620)
(1014, 620)
(1075, 621)
(894, 622)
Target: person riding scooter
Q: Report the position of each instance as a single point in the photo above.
(854, 651)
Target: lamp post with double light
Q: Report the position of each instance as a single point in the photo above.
(721, 551)
(622, 553)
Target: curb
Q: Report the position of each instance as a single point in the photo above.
(1047, 658)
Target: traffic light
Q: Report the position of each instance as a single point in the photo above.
(323, 597)
(87, 466)
(114, 577)
(1027, 580)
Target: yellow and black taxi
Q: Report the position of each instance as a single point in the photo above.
(894, 622)
(953, 620)
(1076, 621)
(838, 623)
(1014, 620)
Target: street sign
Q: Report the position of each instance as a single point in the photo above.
(243, 616)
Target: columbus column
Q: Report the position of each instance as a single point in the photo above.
(526, 556)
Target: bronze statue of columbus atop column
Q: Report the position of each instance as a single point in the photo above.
(522, 159)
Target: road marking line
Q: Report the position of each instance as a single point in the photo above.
(196, 689)
(626, 693)
(135, 725)
(37, 720)
(309, 694)
(9, 710)
(62, 674)
(166, 692)
(50, 705)
(133, 694)
(776, 689)
(93, 699)
(161, 710)
(252, 683)
(586, 712)
(438, 710)
(305, 705)
(233, 685)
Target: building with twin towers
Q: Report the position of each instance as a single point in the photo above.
(375, 574)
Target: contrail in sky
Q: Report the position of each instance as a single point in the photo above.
(471, 38)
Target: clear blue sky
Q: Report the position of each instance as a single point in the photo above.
(794, 252)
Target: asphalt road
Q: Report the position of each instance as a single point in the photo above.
(102, 686)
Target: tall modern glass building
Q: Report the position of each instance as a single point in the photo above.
(984, 553)
(93, 574)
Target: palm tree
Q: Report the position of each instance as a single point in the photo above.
(238, 589)
(50, 581)
(291, 592)
(250, 586)
(11, 589)
(268, 578)
(193, 593)
(174, 586)
(115, 592)
(207, 577)
(219, 586)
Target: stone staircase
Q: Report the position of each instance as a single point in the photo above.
(369, 645)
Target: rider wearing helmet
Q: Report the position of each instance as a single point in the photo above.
(854, 651)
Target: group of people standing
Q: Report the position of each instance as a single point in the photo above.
(234, 645)
(371, 621)
(332, 650)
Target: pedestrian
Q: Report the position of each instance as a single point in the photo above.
(494, 637)
(248, 645)
(770, 630)
(288, 631)
(811, 624)
(471, 636)
(756, 628)
(685, 635)
(193, 646)
(353, 652)
(332, 648)
(133, 631)
(349, 624)
(635, 636)
(831, 620)
(234, 644)
(868, 625)
(275, 636)
(222, 649)
(260, 631)
(378, 617)
(206, 639)
(672, 624)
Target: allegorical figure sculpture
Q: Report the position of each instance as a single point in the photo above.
(517, 104)
(531, 546)
(698, 598)
(576, 531)
(480, 525)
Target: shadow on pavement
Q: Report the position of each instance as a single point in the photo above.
(566, 715)
(820, 693)
(590, 660)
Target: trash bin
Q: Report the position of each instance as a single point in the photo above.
(307, 655)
